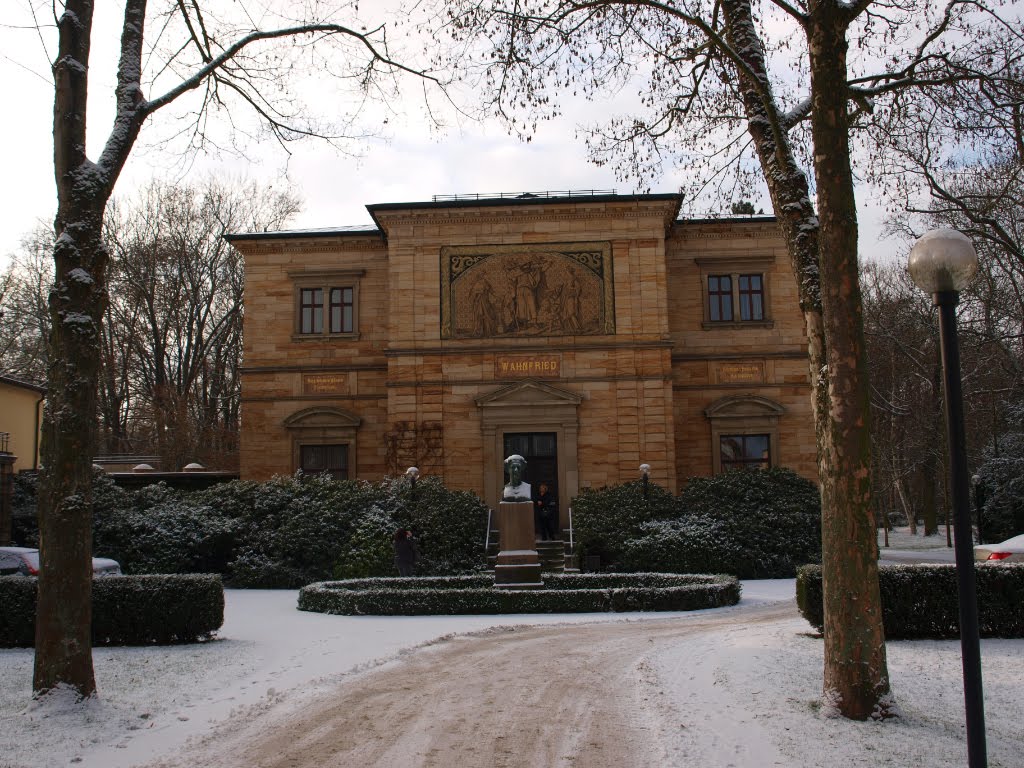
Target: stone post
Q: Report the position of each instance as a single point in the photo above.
(518, 565)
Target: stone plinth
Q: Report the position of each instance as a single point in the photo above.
(518, 566)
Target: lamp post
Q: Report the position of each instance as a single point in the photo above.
(942, 263)
(645, 471)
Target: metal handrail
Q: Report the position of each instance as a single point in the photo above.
(4, 440)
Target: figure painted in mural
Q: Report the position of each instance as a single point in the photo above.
(405, 551)
(572, 308)
(485, 316)
(549, 316)
(516, 490)
(527, 279)
(545, 506)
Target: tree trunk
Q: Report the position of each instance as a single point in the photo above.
(76, 303)
(856, 678)
(932, 464)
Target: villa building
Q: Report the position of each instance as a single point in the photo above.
(589, 333)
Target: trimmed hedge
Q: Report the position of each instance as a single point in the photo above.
(921, 601)
(563, 593)
(126, 610)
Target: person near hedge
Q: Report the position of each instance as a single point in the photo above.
(405, 552)
(545, 506)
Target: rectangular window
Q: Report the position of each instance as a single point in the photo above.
(318, 459)
(311, 310)
(327, 308)
(751, 297)
(745, 452)
(720, 298)
(342, 306)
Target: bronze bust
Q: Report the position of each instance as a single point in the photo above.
(516, 490)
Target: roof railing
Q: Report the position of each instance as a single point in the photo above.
(523, 195)
(4, 440)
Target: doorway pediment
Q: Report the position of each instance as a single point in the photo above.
(529, 394)
(322, 417)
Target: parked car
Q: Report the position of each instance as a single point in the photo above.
(25, 561)
(1009, 551)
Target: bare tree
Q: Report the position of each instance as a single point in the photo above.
(24, 318)
(172, 336)
(212, 61)
(784, 82)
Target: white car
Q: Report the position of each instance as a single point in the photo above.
(1009, 551)
(25, 561)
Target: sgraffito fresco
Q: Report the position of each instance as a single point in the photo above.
(551, 289)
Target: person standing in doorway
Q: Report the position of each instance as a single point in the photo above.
(405, 552)
(545, 505)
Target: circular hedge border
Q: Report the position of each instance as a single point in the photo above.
(562, 593)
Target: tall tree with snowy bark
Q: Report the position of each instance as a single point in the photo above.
(210, 61)
(733, 86)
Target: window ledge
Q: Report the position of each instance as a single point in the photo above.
(300, 337)
(710, 325)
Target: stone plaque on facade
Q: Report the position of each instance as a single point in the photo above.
(738, 373)
(534, 367)
(324, 383)
(552, 289)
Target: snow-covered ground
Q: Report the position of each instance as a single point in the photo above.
(758, 687)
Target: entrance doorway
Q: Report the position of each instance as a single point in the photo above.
(540, 449)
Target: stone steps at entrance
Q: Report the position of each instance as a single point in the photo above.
(553, 555)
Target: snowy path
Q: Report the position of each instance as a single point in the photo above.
(730, 688)
(579, 695)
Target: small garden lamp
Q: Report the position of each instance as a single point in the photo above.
(413, 474)
(645, 472)
(942, 263)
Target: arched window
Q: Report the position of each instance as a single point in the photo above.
(744, 432)
(324, 440)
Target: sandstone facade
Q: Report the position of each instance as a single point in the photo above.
(598, 332)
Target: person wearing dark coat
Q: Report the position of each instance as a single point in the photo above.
(405, 552)
(546, 515)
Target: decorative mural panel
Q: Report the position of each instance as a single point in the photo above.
(549, 289)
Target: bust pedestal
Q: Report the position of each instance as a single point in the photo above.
(518, 565)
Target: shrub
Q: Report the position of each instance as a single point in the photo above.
(284, 533)
(127, 610)
(763, 524)
(750, 524)
(921, 601)
(162, 530)
(1002, 477)
(449, 526)
(563, 593)
(24, 525)
(605, 518)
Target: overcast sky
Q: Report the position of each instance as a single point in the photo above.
(411, 163)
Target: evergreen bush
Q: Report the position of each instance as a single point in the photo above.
(921, 601)
(1002, 478)
(604, 519)
(126, 610)
(757, 524)
(24, 525)
(286, 532)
